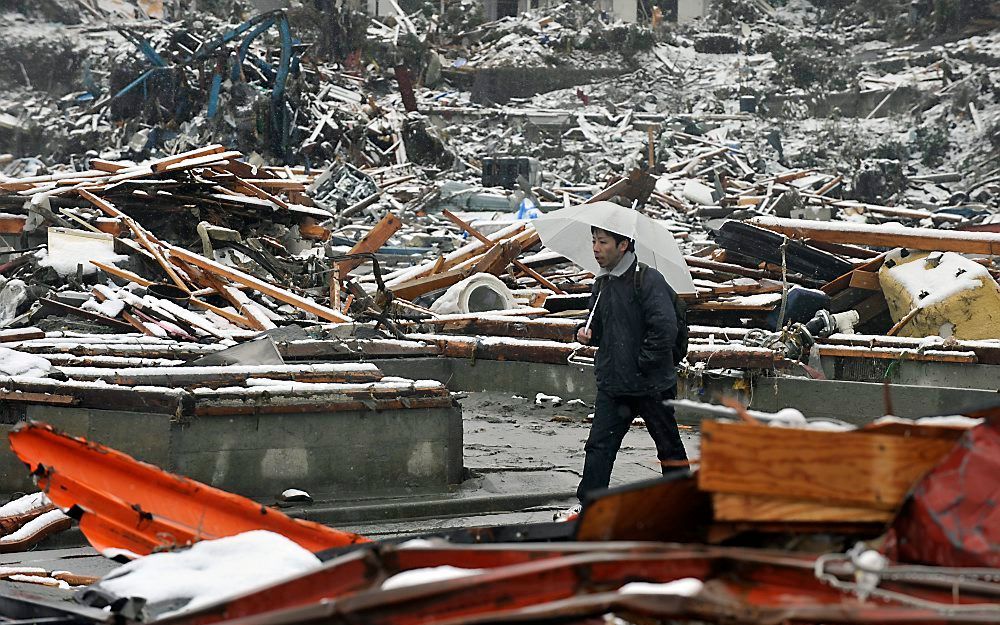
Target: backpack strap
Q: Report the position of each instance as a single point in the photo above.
(640, 271)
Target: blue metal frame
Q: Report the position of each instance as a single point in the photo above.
(256, 26)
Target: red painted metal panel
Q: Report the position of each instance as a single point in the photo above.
(126, 504)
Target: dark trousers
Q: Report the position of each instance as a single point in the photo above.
(612, 417)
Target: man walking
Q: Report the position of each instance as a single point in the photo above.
(634, 325)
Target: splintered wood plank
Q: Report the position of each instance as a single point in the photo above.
(413, 289)
(278, 293)
(537, 277)
(498, 258)
(140, 233)
(872, 470)
(895, 236)
(372, 241)
(889, 353)
(12, 224)
(760, 508)
(164, 163)
(867, 280)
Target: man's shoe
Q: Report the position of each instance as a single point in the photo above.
(570, 514)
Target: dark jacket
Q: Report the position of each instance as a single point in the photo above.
(634, 332)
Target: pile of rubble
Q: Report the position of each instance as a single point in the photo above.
(202, 215)
(211, 243)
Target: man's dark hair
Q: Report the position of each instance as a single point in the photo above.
(614, 235)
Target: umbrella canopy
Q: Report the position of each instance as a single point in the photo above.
(567, 231)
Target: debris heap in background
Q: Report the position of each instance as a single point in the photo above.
(217, 176)
(211, 211)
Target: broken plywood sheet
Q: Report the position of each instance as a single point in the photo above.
(853, 468)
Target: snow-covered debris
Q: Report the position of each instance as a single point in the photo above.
(34, 527)
(211, 570)
(686, 587)
(426, 576)
(541, 399)
(24, 505)
(15, 363)
(70, 249)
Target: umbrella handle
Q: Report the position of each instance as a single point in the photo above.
(590, 317)
(585, 361)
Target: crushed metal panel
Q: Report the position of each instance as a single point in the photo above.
(122, 503)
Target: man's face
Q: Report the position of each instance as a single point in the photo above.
(606, 251)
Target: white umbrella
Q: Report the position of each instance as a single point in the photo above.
(567, 231)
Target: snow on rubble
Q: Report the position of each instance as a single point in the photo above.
(211, 570)
(15, 363)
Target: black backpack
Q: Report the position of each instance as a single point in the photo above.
(680, 310)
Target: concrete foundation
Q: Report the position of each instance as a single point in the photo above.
(356, 453)
(915, 389)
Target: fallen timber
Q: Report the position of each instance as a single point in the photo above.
(558, 353)
(987, 243)
(227, 375)
(259, 396)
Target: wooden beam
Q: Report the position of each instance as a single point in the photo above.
(537, 277)
(228, 375)
(880, 235)
(124, 274)
(254, 189)
(760, 508)
(518, 350)
(371, 242)
(871, 470)
(108, 166)
(413, 289)
(888, 353)
(38, 398)
(867, 280)
(21, 334)
(210, 160)
(163, 163)
(230, 273)
(140, 234)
